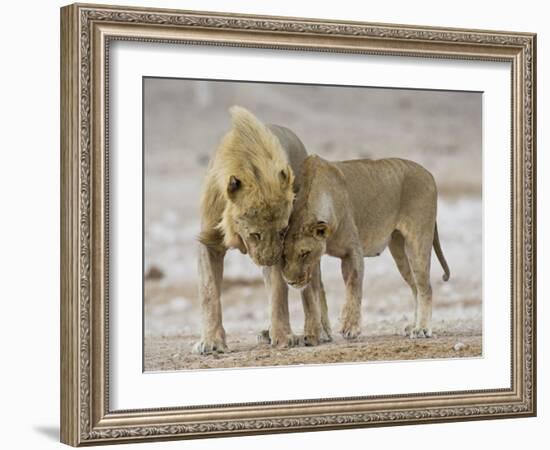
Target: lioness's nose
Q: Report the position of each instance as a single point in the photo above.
(298, 284)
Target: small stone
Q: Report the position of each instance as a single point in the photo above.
(154, 273)
(459, 346)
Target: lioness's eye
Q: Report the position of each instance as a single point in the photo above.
(304, 255)
(256, 236)
(282, 233)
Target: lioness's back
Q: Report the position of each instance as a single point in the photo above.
(366, 179)
(381, 168)
(378, 190)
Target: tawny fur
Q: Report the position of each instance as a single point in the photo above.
(246, 204)
(354, 209)
(253, 153)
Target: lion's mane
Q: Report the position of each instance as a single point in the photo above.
(253, 154)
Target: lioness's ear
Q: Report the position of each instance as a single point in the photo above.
(233, 186)
(321, 230)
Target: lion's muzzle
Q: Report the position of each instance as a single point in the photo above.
(299, 283)
(269, 259)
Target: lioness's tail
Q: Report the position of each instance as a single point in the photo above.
(439, 253)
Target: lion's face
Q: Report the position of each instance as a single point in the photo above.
(262, 233)
(303, 247)
(261, 224)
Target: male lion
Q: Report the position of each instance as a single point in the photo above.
(354, 209)
(246, 203)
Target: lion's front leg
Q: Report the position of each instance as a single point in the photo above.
(280, 333)
(352, 271)
(210, 279)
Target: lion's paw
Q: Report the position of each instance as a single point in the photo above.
(350, 330)
(207, 346)
(284, 340)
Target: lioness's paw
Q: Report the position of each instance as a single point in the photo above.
(263, 337)
(312, 334)
(284, 340)
(326, 332)
(419, 333)
(311, 340)
(208, 346)
(350, 330)
(326, 336)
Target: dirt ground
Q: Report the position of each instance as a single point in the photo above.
(172, 353)
(183, 122)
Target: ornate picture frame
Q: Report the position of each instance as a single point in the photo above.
(86, 34)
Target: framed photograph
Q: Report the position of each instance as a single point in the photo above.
(276, 224)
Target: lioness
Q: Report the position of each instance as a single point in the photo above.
(354, 209)
(246, 203)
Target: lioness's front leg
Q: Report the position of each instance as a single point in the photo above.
(317, 323)
(210, 279)
(280, 333)
(312, 314)
(352, 271)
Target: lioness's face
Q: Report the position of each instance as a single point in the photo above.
(303, 247)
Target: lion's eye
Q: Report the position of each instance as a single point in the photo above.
(256, 236)
(305, 254)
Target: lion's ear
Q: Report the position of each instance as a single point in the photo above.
(233, 186)
(285, 176)
(321, 230)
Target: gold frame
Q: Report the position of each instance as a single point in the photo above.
(86, 31)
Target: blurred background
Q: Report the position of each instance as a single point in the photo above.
(183, 123)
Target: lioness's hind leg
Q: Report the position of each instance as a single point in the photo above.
(397, 249)
(418, 254)
(263, 337)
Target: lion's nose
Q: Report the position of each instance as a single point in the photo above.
(269, 261)
(275, 258)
